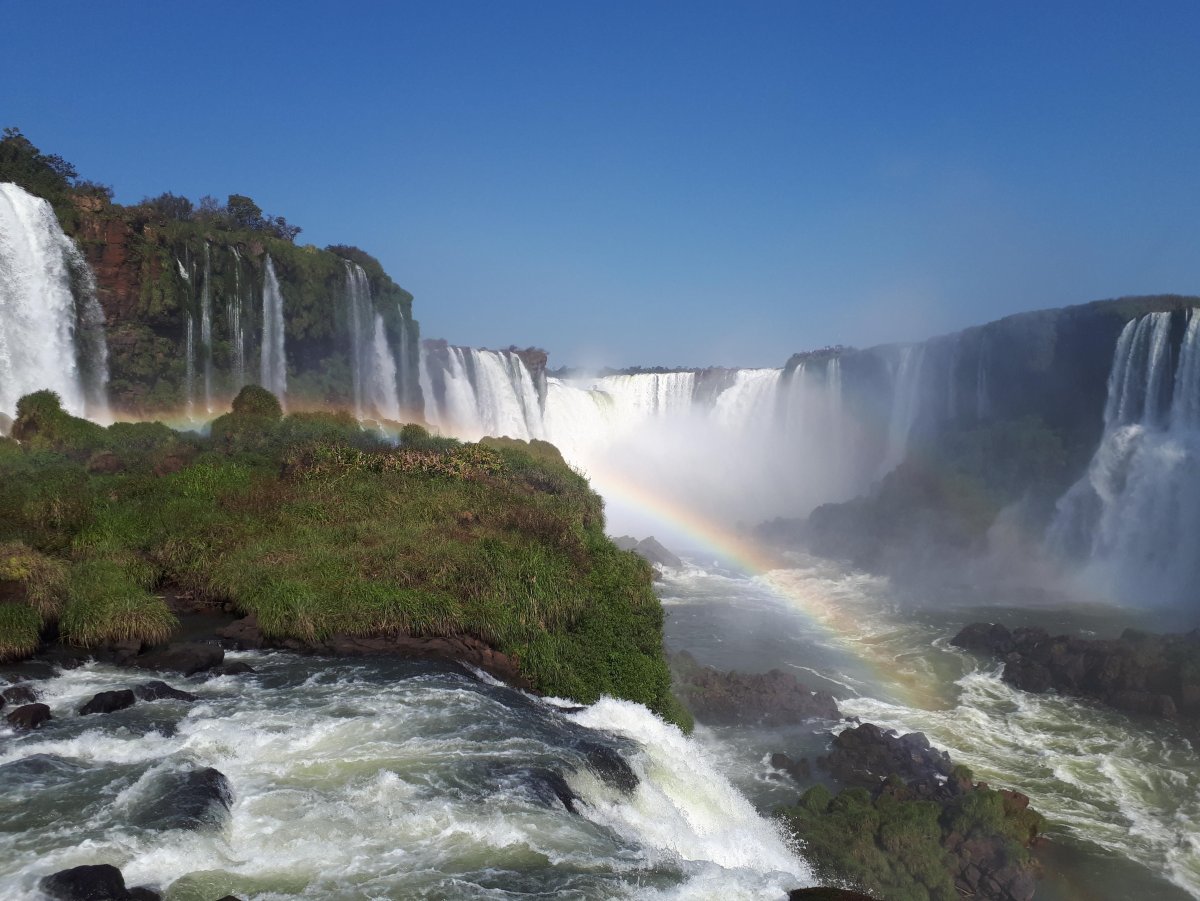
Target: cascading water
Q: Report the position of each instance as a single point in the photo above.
(190, 368)
(907, 381)
(237, 337)
(376, 381)
(272, 361)
(51, 325)
(206, 332)
(1133, 517)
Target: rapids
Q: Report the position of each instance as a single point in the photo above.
(383, 779)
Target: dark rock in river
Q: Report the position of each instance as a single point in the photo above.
(157, 691)
(1140, 673)
(193, 799)
(797, 769)
(233, 668)
(97, 882)
(769, 699)
(186, 659)
(611, 767)
(108, 702)
(30, 716)
(827, 894)
(20, 694)
(867, 755)
(548, 785)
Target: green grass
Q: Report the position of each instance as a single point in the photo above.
(320, 528)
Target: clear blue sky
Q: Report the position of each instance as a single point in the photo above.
(674, 183)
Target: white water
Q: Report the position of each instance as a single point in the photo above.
(206, 332)
(272, 361)
(237, 335)
(382, 780)
(1131, 520)
(734, 443)
(51, 325)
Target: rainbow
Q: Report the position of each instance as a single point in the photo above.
(845, 627)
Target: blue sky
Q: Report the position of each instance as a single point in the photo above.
(659, 183)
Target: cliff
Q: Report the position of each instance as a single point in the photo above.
(182, 290)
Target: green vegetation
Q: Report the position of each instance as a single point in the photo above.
(321, 528)
(897, 845)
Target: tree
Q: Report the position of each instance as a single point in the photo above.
(244, 212)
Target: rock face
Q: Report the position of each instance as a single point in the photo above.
(913, 824)
(649, 549)
(30, 716)
(867, 755)
(1139, 673)
(108, 702)
(775, 698)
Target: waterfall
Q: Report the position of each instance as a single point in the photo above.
(190, 368)
(1131, 520)
(272, 362)
(51, 324)
(237, 338)
(906, 399)
(746, 443)
(374, 376)
(206, 328)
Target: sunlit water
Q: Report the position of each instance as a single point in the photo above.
(356, 780)
(1122, 795)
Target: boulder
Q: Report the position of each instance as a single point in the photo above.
(191, 799)
(158, 691)
(187, 658)
(24, 693)
(232, 668)
(610, 766)
(108, 702)
(30, 716)
(820, 893)
(96, 882)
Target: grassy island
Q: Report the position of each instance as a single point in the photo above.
(320, 527)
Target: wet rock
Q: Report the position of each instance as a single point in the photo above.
(1140, 673)
(549, 786)
(611, 767)
(867, 755)
(108, 702)
(96, 882)
(186, 658)
(775, 698)
(826, 894)
(233, 668)
(158, 691)
(144, 893)
(24, 693)
(800, 770)
(190, 799)
(30, 716)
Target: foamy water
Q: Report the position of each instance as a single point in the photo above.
(373, 780)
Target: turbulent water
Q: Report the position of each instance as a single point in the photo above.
(1122, 795)
(380, 779)
(1135, 514)
(51, 325)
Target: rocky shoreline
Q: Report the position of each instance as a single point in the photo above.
(1138, 673)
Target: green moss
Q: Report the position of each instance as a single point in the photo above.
(108, 600)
